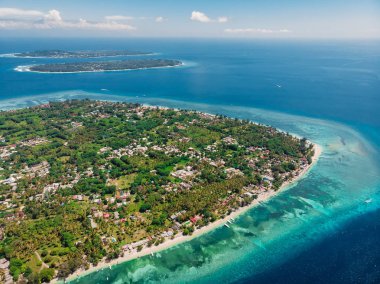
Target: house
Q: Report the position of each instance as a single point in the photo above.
(185, 185)
(184, 174)
(176, 215)
(231, 172)
(98, 214)
(267, 178)
(116, 215)
(78, 197)
(104, 149)
(218, 163)
(75, 124)
(167, 234)
(195, 219)
(229, 140)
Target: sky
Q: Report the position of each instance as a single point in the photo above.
(191, 18)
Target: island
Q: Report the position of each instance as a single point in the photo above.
(86, 183)
(78, 54)
(117, 65)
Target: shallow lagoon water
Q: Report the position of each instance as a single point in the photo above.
(333, 192)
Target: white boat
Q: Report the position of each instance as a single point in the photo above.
(229, 221)
(226, 225)
(369, 200)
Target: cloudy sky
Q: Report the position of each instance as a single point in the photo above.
(195, 18)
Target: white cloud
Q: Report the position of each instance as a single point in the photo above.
(104, 25)
(30, 19)
(53, 16)
(200, 17)
(11, 24)
(222, 19)
(13, 13)
(160, 19)
(118, 18)
(256, 31)
(203, 18)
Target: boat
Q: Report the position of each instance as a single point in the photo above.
(229, 221)
(369, 200)
(151, 254)
(226, 225)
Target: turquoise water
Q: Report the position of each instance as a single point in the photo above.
(305, 234)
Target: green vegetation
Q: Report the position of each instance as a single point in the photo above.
(98, 179)
(99, 66)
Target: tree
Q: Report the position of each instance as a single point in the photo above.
(15, 267)
(67, 239)
(46, 275)
(144, 207)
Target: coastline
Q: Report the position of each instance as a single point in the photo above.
(198, 232)
(26, 68)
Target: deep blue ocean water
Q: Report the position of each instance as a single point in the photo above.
(318, 231)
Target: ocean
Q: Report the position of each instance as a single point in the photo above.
(319, 230)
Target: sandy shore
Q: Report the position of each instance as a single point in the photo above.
(198, 232)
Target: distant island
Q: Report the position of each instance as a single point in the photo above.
(84, 184)
(119, 65)
(77, 54)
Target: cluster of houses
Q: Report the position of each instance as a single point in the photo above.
(185, 174)
(11, 181)
(38, 170)
(167, 149)
(7, 151)
(75, 124)
(173, 187)
(34, 142)
(130, 150)
(229, 140)
(232, 172)
(96, 113)
(170, 233)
